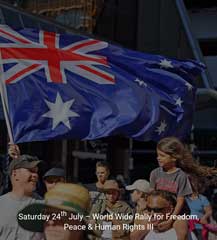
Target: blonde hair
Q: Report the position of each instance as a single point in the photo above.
(184, 159)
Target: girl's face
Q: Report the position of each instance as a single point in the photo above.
(165, 160)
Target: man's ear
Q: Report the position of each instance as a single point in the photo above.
(14, 172)
(140, 193)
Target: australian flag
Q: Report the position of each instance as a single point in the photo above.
(58, 86)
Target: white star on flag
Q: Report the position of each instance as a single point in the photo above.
(189, 86)
(161, 128)
(140, 82)
(166, 64)
(60, 112)
(179, 102)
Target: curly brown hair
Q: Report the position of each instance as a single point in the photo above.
(184, 159)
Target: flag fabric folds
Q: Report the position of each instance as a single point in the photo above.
(58, 86)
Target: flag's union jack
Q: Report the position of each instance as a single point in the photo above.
(48, 54)
(62, 86)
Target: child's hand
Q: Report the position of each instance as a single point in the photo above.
(163, 226)
(13, 151)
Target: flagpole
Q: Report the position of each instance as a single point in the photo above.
(4, 101)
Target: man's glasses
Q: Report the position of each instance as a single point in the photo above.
(156, 210)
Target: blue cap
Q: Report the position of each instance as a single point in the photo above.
(57, 172)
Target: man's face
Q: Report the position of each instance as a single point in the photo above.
(27, 178)
(158, 207)
(112, 196)
(51, 181)
(102, 174)
(135, 195)
(164, 159)
(54, 229)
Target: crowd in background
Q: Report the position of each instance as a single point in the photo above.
(172, 190)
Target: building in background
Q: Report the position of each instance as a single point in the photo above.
(175, 28)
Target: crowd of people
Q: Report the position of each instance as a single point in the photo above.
(168, 206)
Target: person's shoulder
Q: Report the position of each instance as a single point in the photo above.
(4, 196)
(31, 200)
(156, 170)
(180, 172)
(123, 204)
(203, 198)
(35, 195)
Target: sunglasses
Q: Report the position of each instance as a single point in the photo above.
(156, 210)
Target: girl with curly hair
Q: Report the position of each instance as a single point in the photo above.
(175, 162)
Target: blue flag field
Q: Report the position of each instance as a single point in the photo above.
(58, 86)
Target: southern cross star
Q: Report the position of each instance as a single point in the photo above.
(166, 64)
(161, 128)
(179, 102)
(60, 112)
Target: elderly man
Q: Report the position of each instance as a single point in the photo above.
(64, 211)
(23, 173)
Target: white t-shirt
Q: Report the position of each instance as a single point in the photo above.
(107, 233)
(168, 235)
(9, 228)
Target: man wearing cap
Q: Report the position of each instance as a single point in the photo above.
(54, 176)
(139, 191)
(111, 207)
(23, 173)
(66, 206)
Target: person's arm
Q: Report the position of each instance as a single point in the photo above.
(211, 227)
(208, 213)
(152, 181)
(179, 205)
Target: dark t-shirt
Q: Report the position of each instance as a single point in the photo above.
(176, 182)
(95, 193)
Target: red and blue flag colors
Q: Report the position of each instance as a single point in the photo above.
(61, 86)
